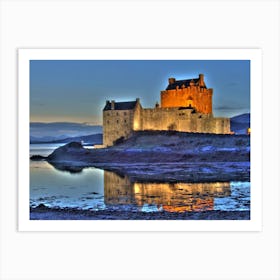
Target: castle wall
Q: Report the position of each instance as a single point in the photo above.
(116, 124)
(137, 117)
(194, 96)
(183, 120)
(158, 119)
(121, 123)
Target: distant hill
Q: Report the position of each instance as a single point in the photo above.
(239, 124)
(87, 139)
(61, 130)
(45, 138)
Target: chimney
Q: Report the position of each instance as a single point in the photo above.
(113, 105)
(137, 100)
(201, 80)
(171, 81)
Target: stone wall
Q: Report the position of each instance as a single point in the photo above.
(116, 124)
(183, 120)
(121, 123)
(137, 117)
(195, 96)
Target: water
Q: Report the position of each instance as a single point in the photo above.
(95, 189)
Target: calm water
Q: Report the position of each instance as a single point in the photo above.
(96, 189)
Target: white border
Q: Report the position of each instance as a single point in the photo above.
(24, 57)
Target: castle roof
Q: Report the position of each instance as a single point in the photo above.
(129, 105)
(181, 83)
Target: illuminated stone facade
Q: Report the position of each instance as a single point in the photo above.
(186, 106)
(119, 120)
(188, 93)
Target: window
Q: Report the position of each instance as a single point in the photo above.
(190, 102)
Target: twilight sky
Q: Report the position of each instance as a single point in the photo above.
(76, 90)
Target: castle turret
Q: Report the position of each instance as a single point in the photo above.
(201, 80)
(113, 105)
(171, 81)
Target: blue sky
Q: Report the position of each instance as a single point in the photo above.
(76, 91)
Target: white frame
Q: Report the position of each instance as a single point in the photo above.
(254, 55)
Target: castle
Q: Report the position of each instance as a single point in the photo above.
(186, 105)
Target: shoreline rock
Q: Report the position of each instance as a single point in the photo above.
(43, 212)
(38, 158)
(163, 156)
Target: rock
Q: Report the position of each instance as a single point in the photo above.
(67, 152)
(37, 158)
(42, 206)
(74, 145)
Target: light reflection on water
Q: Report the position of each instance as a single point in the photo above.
(175, 197)
(96, 189)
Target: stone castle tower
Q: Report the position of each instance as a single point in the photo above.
(188, 93)
(186, 105)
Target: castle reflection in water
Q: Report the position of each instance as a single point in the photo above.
(171, 197)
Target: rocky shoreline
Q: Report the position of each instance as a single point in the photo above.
(43, 212)
(163, 156)
(157, 157)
